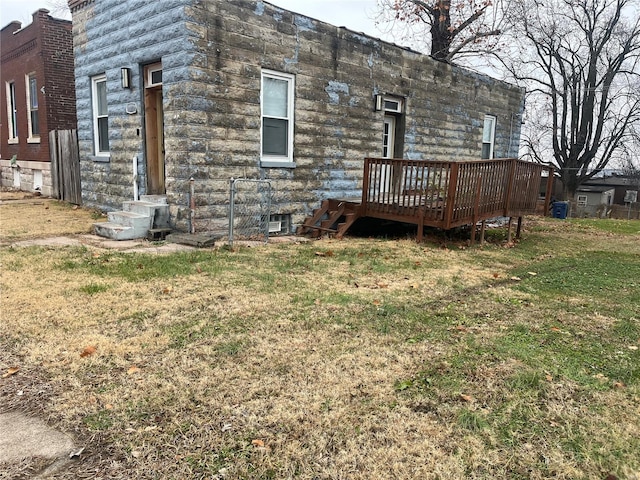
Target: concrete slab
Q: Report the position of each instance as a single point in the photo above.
(51, 241)
(25, 437)
(195, 240)
(162, 249)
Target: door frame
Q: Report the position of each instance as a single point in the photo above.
(154, 129)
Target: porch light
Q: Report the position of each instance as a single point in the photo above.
(125, 77)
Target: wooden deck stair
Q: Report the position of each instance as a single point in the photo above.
(327, 218)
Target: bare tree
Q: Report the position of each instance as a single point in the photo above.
(452, 28)
(580, 60)
(59, 8)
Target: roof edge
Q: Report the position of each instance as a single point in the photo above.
(75, 5)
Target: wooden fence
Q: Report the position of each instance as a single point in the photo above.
(65, 166)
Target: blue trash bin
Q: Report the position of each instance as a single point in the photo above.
(560, 210)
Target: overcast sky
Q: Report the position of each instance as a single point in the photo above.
(356, 15)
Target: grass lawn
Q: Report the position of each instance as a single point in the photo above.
(366, 358)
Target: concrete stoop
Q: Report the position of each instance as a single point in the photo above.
(136, 219)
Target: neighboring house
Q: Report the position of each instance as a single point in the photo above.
(620, 183)
(592, 201)
(37, 96)
(214, 89)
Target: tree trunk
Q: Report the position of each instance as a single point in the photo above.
(441, 30)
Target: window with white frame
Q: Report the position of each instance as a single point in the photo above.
(100, 115)
(32, 108)
(582, 200)
(12, 112)
(276, 100)
(488, 136)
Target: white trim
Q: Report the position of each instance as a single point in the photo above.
(149, 71)
(94, 113)
(389, 137)
(491, 133)
(31, 138)
(12, 112)
(290, 79)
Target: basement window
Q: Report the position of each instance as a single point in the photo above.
(280, 224)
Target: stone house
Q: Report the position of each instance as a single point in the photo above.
(213, 89)
(37, 95)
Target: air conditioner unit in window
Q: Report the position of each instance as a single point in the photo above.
(388, 104)
(392, 105)
(275, 227)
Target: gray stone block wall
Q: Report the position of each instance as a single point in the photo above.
(213, 52)
(110, 35)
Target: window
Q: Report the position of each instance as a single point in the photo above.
(582, 200)
(277, 116)
(389, 104)
(100, 115)
(12, 112)
(153, 75)
(488, 136)
(32, 108)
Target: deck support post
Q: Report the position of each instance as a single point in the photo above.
(420, 228)
(509, 224)
(476, 207)
(451, 195)
(365, 186)
(519, 228)
(548, 192)
(482, 230)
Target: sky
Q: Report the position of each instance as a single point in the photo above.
(357, 15)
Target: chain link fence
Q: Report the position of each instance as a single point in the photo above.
(249, 210)
(241, 211)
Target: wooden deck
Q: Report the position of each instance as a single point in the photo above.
(446, 194)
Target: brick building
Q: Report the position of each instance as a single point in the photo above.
(37, 95)
(213, 89)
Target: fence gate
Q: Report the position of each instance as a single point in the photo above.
(249, 210)
(65, 166)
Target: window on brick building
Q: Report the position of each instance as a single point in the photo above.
(12, 112)
(488, 136)
(100, 115)
(276, 101)
(32, 108)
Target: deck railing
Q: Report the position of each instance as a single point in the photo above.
(450, 194)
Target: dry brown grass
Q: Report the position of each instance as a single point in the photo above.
(24, 216)
(282, 363)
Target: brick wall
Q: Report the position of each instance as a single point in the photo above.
(43, 48)
(212, 64)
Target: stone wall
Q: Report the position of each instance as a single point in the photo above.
(211, 86)
(109, 35)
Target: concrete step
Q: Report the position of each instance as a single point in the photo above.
(161, 199)
(115, 231)
(130, 219)
(159, 212)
